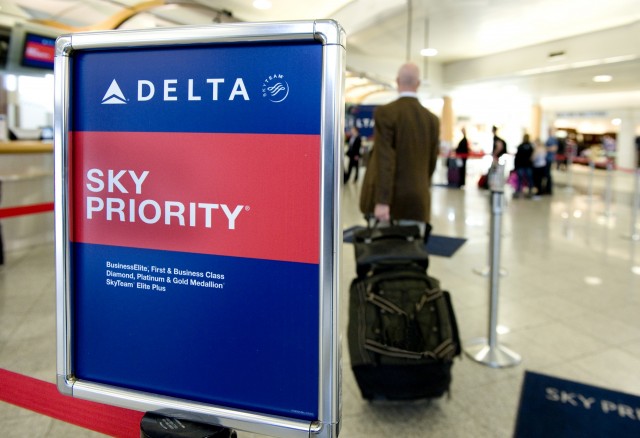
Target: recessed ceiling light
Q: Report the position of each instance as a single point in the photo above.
(593, 281)
(602, 78)
(262, 4)
(616, 121)
(429, 52)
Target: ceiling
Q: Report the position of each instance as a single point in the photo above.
(543, 48)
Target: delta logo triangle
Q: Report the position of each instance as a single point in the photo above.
(114, 95)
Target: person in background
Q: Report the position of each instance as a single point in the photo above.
(552, 148)
(561, 154)
(499, 145)
(353, 153)
(539, 162)
(609, 147)
(397, 184)
(523, 166)
(571, 149)
(462, 152)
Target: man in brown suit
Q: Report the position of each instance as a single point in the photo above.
(397, 184)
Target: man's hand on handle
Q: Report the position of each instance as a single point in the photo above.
(381, 212)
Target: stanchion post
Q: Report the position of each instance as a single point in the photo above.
(608, 187)
(571, 154)
(488, 351)
(592, 168)
(494, 171)
(636, 205)
(494, 259)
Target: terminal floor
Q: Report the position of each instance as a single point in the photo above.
(569, 304)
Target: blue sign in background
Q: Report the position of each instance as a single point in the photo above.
(39, 51)
(361, 116)
(553, 407)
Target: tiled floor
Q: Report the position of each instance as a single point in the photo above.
(569, 304)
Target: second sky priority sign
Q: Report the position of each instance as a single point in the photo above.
(197, 175)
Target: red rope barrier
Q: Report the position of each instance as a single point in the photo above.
(44, 398)
(470, 155)
(25, 209)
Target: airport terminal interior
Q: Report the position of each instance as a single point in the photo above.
(568, 306)
(567, 297)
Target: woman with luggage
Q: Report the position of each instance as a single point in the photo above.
(523, 166)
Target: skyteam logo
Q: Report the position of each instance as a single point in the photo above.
(275, 88)
(114, 95)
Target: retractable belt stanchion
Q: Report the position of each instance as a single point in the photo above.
(570, 157)
(484, 271)
(608, 191)
(592, 168)
(488, 351)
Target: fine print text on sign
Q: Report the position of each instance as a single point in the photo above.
(158, 279)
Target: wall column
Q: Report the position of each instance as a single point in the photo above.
(446, 121)
(536, 122)
(625, 141)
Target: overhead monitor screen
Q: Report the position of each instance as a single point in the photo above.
(39, 51)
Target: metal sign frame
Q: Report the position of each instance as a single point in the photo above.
(331, 36)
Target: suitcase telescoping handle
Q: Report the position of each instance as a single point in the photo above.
(377, 230)
(395, 229)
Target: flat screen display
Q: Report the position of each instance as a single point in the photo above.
(39, 51)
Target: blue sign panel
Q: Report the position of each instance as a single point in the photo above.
(234, 88)
(195, 223)
(361, 116)
(228, 337)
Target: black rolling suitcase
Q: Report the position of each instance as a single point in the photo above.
(402, 331)
(454, 172)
